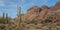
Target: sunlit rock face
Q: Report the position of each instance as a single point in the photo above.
(44, 7)
(57, 4)
(41, 12)
(37, 12)
(56, 7)
(33, 12)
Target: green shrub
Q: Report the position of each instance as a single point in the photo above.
(48, 19)
(3, 21)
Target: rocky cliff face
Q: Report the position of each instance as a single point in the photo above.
(43, 18)
(56, 7)
(42, 12)
(33, 12)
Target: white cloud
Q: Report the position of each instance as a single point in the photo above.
(2, 3)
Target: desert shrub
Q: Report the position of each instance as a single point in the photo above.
(34, 22)
(32, 27)
(2, 27)
(23, 24)
(48, 19)
(58, 27)
(58, 24)
(46, 28)
(4, 21)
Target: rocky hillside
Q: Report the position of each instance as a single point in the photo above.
(42, 12)
(43, 18)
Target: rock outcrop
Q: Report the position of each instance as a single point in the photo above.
(43, 18)
(42, 12)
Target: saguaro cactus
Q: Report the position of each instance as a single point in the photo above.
(7, 17)
(3, 14)
(19, 16)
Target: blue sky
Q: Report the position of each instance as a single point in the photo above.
(10, 6)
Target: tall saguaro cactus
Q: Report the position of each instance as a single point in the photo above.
(18, 11)
(7, 17)
(19, 17)
(3, 14)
